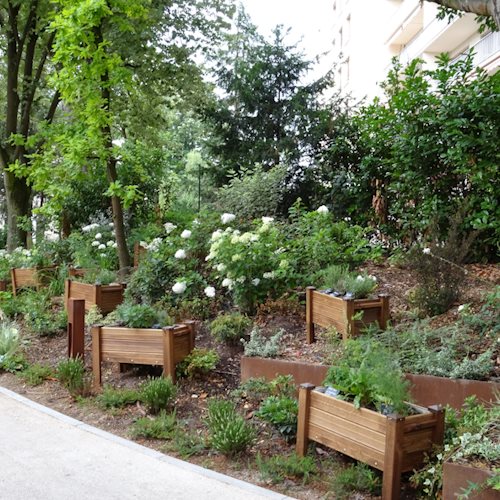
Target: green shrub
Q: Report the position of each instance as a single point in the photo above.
(39, 315)
(355, 478)
(230, 434)
(158, 393)
(198, 362)
(36, 374)
(258, 345)
(230, 327)
(160, 427)
(278, 468)
(71, 374)
(281, 412)
(117, 398)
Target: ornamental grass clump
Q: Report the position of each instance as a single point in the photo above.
(340, 282)
(160, 427)
(158, 393)
(71, 374)
(229, 433)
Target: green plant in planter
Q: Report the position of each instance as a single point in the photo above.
(342, 282)
(99, 277)
(366, 373)
(141, 316)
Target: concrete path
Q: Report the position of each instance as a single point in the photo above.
(45, 455)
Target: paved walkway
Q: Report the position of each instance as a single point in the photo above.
(45, 455)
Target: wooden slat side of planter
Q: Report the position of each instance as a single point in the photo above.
(23, 277)
(456, 478)
(391, 443)
(105, 297)
(162, 347)
(3, 285)
(327, 311)
(139, 252)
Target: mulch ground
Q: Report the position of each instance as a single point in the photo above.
(193, 395)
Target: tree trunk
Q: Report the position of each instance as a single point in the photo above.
(480, 7)
(18, 199)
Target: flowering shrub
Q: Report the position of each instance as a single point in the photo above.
(252, 265)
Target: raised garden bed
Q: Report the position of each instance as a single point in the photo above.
(105, 297)
(327, 311)
(457, 477)
(392, 443)
(144, 346)
(425, 389)
(28, 277)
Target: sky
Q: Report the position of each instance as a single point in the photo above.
(310, 20)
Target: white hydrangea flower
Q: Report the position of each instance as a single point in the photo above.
(255, 281)
(143, 244)
(360, 278)
(373, 278)
(169, 227)
(268, 275)
(254, 237)
(323, 209)
(220, 267)
(180, 254)
(186, 234)
(111, 224)
(216, 235)
(267, 220)
(210, 292)
(90, 227)
(236, 257)
(210, 256)
(227, 282)
(196, 222)
(115, 245)
(98, 236)
(228, 230)
(155, 245)
(246, 237)
(103, 255)
(179, 287)
(101, 246)
(95, 243)
(426, 250)
(227, 218)
(110, 243)
(26, 252)
(241, 279)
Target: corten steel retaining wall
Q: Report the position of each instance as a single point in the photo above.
(426, 390)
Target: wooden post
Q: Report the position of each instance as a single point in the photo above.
(438, 431)
(98, 294)
(76, 328)
(391, 483)
(303, 418)
(168, 352)
(96, 355)
(350, 326)
(309, 315)
(3, 285)
(384, 311)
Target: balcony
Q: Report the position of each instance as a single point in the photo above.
(406, 23)
(486, 52)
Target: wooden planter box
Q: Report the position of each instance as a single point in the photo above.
(457, 477)
(326, 311)
(392, 444)
(144, 346)
(105, 297)
(28, 277)
(3, 285)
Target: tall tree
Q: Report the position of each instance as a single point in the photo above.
(267, 114)
(25, 46)
(486, 8)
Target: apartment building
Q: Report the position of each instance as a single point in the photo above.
(369, 33)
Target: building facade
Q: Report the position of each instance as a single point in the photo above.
(369, 33)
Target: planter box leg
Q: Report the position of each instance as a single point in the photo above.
(76, 328)
(303, 418)
(96, 356)
(168, 353)
(391, 484)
